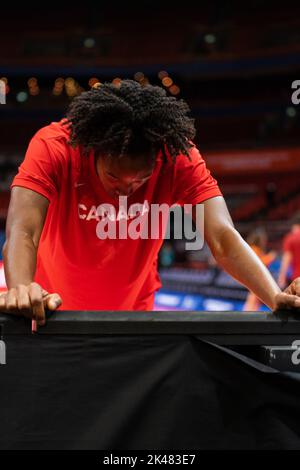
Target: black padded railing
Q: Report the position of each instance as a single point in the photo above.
(236, 328)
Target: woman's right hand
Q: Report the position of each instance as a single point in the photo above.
(30, 301)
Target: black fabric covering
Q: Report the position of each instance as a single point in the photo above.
(142, 392)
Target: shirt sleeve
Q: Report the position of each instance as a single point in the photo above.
(37, 171)
(193, 182)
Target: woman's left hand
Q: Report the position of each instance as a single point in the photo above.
(289, 298)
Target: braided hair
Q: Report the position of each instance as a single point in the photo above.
(130, 120)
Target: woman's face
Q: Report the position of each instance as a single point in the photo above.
(122, 177)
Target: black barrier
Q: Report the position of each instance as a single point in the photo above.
(137, 380)
(232, 328)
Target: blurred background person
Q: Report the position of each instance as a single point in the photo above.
(258, 240)
(290, 264)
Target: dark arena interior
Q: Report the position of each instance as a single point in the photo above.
(148, 345)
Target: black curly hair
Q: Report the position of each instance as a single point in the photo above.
(130, 120)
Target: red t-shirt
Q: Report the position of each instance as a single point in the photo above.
(291, 243)
(88, 272)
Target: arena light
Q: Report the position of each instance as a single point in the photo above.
(69, 81)
(34, 91)
(145, 81)
(22, 96)
(92, 81)
(71, 93)
(59, 82)
(56, 91)
(167, 82)
(58, 86)
(7, 88)
(89, 43)
(174, 90)
(291, 112)
(71, 87)
(33, 86)
(97, 85)
(117, 82)
(210, 38)
(139, 76)
(162, 74)
(32, 82)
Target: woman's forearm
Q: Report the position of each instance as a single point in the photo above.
(19, 256)
(235, 256)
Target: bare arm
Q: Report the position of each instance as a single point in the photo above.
(235, 256)
(25, 221)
